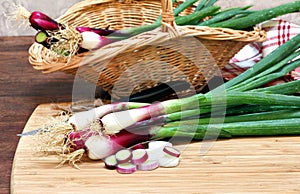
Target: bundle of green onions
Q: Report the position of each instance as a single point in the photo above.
(68, 40)
(240, 107)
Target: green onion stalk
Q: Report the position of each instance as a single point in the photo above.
(202, 114)
(240, 107)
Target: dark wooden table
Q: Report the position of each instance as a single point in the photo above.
(22, 88)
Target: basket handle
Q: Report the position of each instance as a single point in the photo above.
(168, 19)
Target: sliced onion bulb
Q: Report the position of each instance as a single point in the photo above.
(139, 156)
(124, 156)
(126, 168)
(148, 165)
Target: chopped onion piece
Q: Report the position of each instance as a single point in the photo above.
(168, 161)
(126, 168)
(139, 156)
(171, 151)
(155, 149)
(124, 156)
(148, 165)
(111, 162)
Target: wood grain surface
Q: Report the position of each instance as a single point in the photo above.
(21, 89)
(245, 165)
(269, 165)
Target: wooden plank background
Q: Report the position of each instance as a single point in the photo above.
(22, 88)
(246, 165)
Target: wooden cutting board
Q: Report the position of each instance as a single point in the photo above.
(251, 165)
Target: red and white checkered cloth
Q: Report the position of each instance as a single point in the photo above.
(278, 32)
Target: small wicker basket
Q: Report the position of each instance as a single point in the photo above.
(130, 66)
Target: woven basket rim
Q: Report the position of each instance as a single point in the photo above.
(157, 35)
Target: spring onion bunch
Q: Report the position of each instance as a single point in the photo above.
(67, 40)
(242, 106)
(230, 110)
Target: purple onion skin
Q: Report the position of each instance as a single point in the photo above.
(100, 31)
(78, 138)
(40, 21)
(123, 139)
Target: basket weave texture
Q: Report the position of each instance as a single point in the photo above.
(145, 60)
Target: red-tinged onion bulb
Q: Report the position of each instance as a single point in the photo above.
(138, 146)
(126, 168)
(77, 139)
(83, 29)
(40, 21)
(99, 147)
(92, 40)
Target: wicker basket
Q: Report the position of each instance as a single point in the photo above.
(143, 61)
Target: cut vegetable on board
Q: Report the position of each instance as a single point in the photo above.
(127, 161)
(189, 117)
(242, 107)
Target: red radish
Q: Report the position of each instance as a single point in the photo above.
(123, 156)
(139, 156)
(148, 165)
(171, 151)
(126, 168)
(111, 162)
